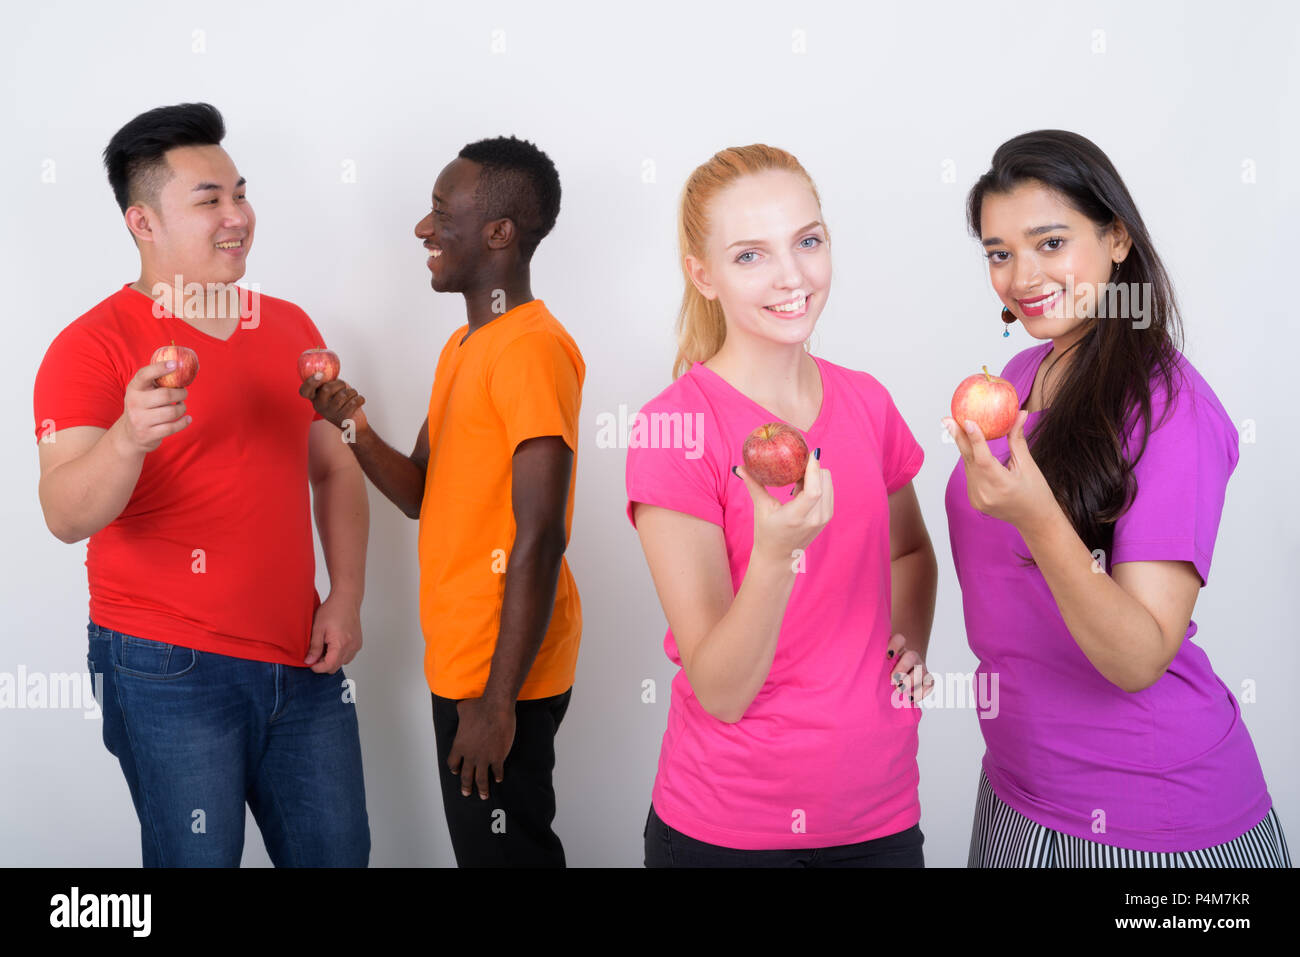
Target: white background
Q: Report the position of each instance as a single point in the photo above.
(1187, 100)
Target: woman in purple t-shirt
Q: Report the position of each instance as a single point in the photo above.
(798, 620)
(1110, 741)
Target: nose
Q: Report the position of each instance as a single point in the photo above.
(788, 271)
(424, 228)
(1025, 275)
(236, 216)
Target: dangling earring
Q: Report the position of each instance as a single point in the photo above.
(1008, 317)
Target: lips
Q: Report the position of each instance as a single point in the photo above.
(1039, 304)
(434, 253)
(791, 308)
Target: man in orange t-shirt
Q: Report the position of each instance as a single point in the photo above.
(491, 480)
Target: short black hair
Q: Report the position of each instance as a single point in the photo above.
(137, 169)
(518, 182)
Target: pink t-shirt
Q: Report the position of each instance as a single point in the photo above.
(821, 757)
(1169, 768)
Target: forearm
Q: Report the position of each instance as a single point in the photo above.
(914, 583)
(81, 497)
(532, 574)
(1112, 628)
(397, 476)
(731, 663)
(343, 519)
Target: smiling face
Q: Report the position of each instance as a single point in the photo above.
(452, 231)
(768, 260)
(1047, 261)
(201, 227)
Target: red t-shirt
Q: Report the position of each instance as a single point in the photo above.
(214, 549)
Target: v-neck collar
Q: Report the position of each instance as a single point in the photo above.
(168, 315)
(823, 414)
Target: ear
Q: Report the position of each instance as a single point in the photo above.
(700, 277)
(1121, 241)
(139, 220)
(500, 233)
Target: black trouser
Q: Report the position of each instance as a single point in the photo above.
(512, 828)
(668, 847)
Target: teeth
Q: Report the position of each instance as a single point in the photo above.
(435, 253)
(791, 307)
(234, 245)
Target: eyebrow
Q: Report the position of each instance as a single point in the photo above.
(1036, 231)
(759, 242)
(202, 186)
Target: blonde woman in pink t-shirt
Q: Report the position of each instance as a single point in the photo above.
(799, 619)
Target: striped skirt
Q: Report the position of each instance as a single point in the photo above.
(1003, 837)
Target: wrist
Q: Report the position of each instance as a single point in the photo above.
(498, 700)
(121, 444)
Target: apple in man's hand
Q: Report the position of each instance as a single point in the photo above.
(775, 454)
(318, 360)
(989, 401)
(187, 366)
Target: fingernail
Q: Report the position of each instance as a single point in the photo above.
(817, 453)
(170, 364)
(890, 653)
(911, 697)
(898, 676)
(734, 472)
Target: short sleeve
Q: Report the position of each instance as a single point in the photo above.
(1182, 479)
(901, 455)
(670, 461)
(535, 387)
(77, 384)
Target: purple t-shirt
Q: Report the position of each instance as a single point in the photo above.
(1168, 768)
(823, 756)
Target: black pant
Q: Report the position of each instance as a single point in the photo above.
(512, 828)
(668, 847)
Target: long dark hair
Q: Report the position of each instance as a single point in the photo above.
(1077, 442)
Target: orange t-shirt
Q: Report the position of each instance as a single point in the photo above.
(518, 377)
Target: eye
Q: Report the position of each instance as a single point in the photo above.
(1054, 239)
(997, 252)
(748, 252)
(816, 240)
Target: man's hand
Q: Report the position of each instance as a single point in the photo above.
(335, 400)
(336, 630)
(150, 413)
(484, 736)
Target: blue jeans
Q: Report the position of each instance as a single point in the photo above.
(199, 734)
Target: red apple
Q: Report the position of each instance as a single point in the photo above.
(318, 360)
(989, 401)
(775, 454)
(187, 366)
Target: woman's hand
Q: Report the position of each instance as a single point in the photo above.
(909, 676)
(782, 528)
(1017, 492)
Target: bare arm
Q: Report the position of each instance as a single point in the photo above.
(88, 473)
(727, 642)
(914, 571)
(343, 519)
(399, 477)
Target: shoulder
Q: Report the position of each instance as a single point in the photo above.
(686, 392)
(1185, 412)
(857, 383)
(1024, 361)
(537, 332)
(106, 321)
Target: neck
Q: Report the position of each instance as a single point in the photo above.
(772, 373)
(495, 298)
(209, 302)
